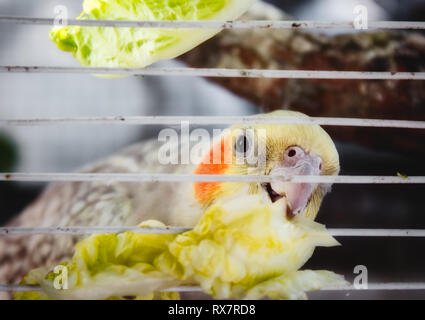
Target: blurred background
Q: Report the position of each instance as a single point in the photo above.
(65, 148)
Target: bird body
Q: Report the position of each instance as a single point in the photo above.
(97, 204)
(288, 149)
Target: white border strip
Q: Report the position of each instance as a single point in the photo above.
(207, 120)
(219, 72)
(140, 177)
(258, 24)
(22, 231)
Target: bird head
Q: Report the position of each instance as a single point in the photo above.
(271, 149)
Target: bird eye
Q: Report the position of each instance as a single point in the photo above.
(292, 153)
(242, 144)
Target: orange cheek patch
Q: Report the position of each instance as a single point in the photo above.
(205, 191)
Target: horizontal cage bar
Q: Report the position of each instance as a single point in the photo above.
(21, 231)
(372, 286)
(15, 231)
(141, 177)
(219, 72)
(257, 24)
(207, 120)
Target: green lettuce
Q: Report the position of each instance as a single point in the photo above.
(139, 47)
(242, 247)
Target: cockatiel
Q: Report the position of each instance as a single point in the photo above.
(290, 149)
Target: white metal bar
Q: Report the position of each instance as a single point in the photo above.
(19, 288)
(21, 231)
(207, 120)
(391, 233)
(219, 72)
(372, 286)
(183, 289)
(124, 177)
(383, 287)
(285, 24)
(36, 288)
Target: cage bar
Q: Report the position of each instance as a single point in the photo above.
(219, 72)
(165, 177)
(391, 286)
(213, 120)
(86, 230)
(255, 24)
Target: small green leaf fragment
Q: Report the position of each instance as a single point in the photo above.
(401, 175)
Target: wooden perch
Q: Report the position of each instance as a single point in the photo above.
(295, 49)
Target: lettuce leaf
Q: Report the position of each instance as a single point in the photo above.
(139, 47)
(242, 247)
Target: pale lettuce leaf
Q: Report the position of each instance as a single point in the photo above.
(242, 247)
(140, 47)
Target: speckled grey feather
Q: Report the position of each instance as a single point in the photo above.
(108, 203)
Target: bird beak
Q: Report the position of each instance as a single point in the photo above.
(297, 194)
